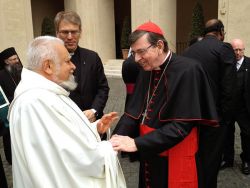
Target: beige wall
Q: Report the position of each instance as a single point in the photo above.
(162, 12)
(16, 25)
(235, 16)
(97, 24)
(98, 21)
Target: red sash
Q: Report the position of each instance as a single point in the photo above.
(130, 88)
(182, 172)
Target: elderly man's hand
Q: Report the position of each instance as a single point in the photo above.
(123, 143)
(105, 122)
(90, 115)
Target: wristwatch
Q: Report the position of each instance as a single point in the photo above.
(96, 114)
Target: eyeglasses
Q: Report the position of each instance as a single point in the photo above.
(141, 52)
(223, 32)
(73, 33)
(239, 50)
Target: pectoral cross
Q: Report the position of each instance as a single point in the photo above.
(144, 116)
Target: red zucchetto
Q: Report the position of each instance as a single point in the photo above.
(150, 27)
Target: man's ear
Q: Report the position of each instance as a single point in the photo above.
(160, 45)
(57, 34)
(48, 67)
(6, 62)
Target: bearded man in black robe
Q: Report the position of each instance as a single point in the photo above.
(10, 75)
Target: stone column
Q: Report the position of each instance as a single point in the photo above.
(16, 26)
(97, 24)
(235, 17)
(162, 12)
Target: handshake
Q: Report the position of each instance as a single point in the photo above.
(119, 143)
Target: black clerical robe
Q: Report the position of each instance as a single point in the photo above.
(130, 71)
(8, 82)
(178, 101)
(218, 60)
(92, 89)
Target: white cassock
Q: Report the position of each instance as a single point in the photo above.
(53, 143)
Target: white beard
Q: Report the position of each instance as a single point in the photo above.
(70, 84)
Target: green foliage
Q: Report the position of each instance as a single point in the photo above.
(126, 31)
(48, 27)
(197, 21)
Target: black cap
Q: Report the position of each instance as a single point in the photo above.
(5, 54)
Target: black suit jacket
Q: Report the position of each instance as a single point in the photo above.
(218, 60)
(246, 64)
(92, 90)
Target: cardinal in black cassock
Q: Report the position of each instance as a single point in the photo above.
(172, 99)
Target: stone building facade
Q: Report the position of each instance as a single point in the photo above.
(20, 21)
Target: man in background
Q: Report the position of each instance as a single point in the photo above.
(10, 76)
(130, 71)
(92, 90)
(241, 113)
(218, 60)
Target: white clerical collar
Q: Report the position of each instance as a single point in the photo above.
(168, 54)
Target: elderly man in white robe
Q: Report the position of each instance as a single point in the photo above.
(53, 143)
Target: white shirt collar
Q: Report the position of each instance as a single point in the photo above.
(239, 63)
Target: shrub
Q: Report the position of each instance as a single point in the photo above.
(48, 27)
(197, 21)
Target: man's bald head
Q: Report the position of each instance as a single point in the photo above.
(239, 47)
(215, 27)
(237, 42)
(211, 22)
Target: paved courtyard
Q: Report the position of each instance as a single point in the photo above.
(228, 178)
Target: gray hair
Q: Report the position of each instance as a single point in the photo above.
(41, 49)
(68, 16)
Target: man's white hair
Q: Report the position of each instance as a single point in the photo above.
(41, 49)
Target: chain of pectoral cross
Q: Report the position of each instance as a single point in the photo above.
(149, 98)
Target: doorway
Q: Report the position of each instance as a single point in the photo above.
(122, 12)
(42, 9)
